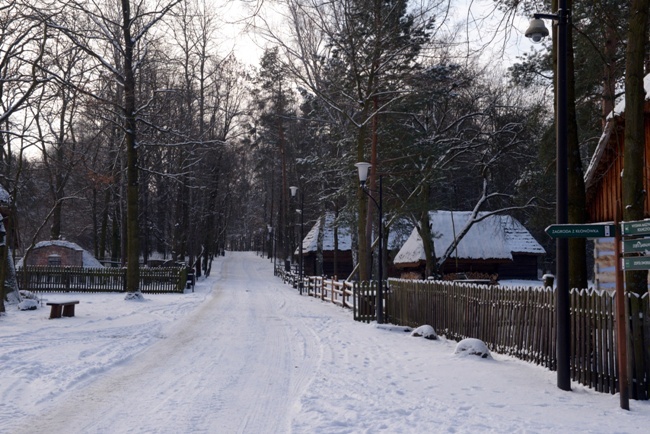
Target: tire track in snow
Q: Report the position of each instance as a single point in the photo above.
(237, 364)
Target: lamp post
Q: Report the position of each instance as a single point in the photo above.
(294, 190)
(537, 31)
(270, 240)
(363, 176)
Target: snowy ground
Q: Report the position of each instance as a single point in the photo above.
(247, 354)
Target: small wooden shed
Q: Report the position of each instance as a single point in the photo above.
(333, 240)
(61, 253)
(499, 244)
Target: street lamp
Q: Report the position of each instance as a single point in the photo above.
(363, 169)
(294, 190)
(536, 32)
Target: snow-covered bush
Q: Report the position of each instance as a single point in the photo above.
(425, 331)
(28, 304)
(472, 347)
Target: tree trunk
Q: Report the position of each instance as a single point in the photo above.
(3, 275)
(55, 229)
(609, 73)
(132, 227)
(103, 235)
(424, 230)
(633, 189)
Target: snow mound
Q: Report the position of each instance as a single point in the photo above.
(134, 296)
(425, 331)
(472, 347)
(28, 304)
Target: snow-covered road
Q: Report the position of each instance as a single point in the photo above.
(237, 364)
(247, 354)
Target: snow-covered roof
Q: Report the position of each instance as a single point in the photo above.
(396, 236)
(89, 261)
(495, 237)
(618, 110)
(310, 242)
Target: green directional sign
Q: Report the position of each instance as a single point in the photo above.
(582, 231)
(638, 263)
(635, 246)
(641, 227)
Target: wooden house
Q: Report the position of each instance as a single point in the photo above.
(499, 244)
(603, 184)
(330, 241)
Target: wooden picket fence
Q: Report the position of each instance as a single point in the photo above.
(80, 279)
(521, 322)
(518, 321)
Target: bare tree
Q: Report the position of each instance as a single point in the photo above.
(22, 45)
(125, 36)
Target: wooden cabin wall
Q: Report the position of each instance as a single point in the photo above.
(602, 199)
(602, 206)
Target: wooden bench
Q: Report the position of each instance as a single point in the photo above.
(62, 308)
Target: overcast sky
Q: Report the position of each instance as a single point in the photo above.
(477, 23)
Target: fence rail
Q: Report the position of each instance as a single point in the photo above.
(80, 279)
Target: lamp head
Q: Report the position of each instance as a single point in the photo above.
(536, 30)
(363, 169)
(293, 190)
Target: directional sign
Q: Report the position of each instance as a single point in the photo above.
(635, 246)
(581, 231)
(641, 227)
(638, 263)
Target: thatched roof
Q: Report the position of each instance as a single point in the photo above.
(396, 236)
(495, 237)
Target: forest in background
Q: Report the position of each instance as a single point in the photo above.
(124, 127)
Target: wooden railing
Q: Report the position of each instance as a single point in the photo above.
(80, 279)
(360, 297)
(332, 290)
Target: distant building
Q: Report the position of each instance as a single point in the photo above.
(499, 244)
(61, 254)
(333, 240)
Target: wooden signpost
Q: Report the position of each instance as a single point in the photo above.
(637, 246)
(598, 230)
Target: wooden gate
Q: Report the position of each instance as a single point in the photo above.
(365, 301)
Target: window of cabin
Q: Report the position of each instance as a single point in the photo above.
(54, 260)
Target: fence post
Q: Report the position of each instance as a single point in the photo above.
(66, 278)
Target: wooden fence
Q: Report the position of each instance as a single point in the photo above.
(518, 321)
(80, 279)
(521, 322)
(359, 297)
